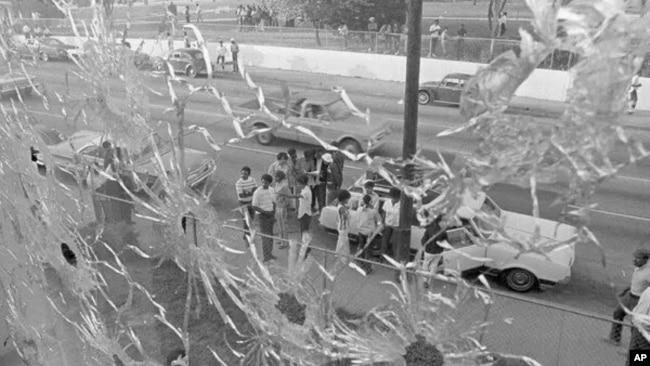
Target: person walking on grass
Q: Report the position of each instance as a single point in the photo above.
(369, 226)
(282, 197)
(170, 42)
(373, 27)
(234, 50)
(460, 42)
(629, 297)
(444, 37)
(199, 16)
(187, 14)
(245, 187)
(264, 204)
(434, 34)
(632, 94)
(221, 55)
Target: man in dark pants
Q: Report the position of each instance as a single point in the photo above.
(234, 50)
(630, 296)
(264, 204)
(245, 187)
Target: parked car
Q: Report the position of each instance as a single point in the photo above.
(50, 137)
(520, 272)
(13, 83)
(446, 91)
(141, 60)
(325, 114)
(84, 148)
(46, 48)
(187, 61)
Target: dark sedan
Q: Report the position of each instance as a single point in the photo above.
(188, 61)
(446, 91)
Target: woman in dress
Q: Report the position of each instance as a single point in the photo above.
(283, 195)
(343, 225)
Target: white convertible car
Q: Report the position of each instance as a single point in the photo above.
(520, 272)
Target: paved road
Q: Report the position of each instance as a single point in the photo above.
(624, 196)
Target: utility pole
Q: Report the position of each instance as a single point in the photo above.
(413, 49)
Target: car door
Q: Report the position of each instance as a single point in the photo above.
(316, 125)
(466, 254)
(447, 90)
(175, 59)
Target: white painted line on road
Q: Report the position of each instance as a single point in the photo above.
(609, 213)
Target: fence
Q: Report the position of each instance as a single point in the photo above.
(549, 333)
(480, 50)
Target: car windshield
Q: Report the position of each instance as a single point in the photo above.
(147, 151)
(338, 110)
(493, 211)
(197, 55)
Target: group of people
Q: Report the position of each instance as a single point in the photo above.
(172, 13)
(37, 32)
(255, 17)
(440, 35)
(304, 185)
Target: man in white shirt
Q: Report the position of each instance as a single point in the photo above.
(264, 204)
(391, 223)
(221, 55)
(640, 319)
(245, 187)
(434, 31)
(630, 296)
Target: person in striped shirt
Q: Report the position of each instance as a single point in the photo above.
(245, 187)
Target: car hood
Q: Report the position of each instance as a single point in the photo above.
(522, 226)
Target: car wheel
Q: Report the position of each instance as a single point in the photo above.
(44, 57)
(191, 71)
(351, 146)
(264, 138)
(520, 280)
(423, 97)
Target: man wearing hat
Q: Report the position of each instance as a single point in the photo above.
(629, 298)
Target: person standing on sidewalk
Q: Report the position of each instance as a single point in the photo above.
(502, 20)
(638, 341)
(304, 206)
(369, 190)
(264, 204)
(344, 32)
(282, 197)
(391, 223)
(434, 34)
(343, 226)
(234, 50)
(334, 174)
(433, 234)
(369, 225)
(245, 187)
(630, 296)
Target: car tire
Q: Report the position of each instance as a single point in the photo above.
(351, 146)
(520, 280)
(265, 138)
(44, 56)
(191, 72)
(424, 97)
